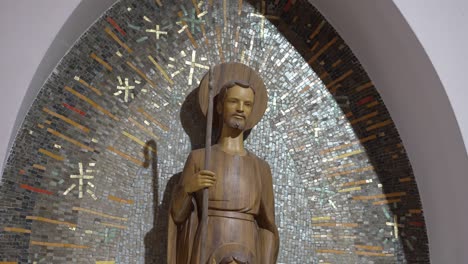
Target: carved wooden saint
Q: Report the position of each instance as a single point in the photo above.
(240, 225)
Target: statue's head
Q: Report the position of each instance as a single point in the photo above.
(241, 96)
(235, 103)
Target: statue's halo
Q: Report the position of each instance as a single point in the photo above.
(235, 71)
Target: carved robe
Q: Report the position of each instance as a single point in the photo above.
(241, 219)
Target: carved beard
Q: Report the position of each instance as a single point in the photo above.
(236, 123)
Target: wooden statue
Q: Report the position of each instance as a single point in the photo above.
(240, 225)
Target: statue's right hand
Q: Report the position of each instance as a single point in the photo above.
(202, 179)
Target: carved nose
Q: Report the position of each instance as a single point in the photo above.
(240, 107)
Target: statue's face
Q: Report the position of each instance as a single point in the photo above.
(238, 104)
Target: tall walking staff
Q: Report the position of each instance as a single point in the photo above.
(209, 126)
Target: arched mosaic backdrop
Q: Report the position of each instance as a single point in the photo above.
(78, 189)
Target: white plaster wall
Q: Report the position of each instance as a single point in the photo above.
(34, 37)
(443, 31)
(27, 29)
(416, 63)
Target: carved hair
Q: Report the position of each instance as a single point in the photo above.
(230, 84)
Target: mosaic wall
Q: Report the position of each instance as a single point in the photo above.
(89, 177)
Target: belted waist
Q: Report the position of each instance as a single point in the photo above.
(231, 214)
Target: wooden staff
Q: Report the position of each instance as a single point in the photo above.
(209, 126)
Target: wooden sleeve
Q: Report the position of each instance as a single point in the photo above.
(269, 237)
(182, 205)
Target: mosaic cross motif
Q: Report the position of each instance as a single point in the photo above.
(81, 177)
(157, 31)
(109, 234)
(395, 225)
(193, 64)
(124, 88)
(325, 193)
(173, 64)
(193, 19)
(316, 130)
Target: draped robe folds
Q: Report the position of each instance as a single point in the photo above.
(241, 223)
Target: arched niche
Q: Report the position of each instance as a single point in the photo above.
(334, 137)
